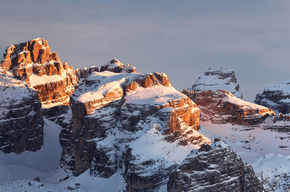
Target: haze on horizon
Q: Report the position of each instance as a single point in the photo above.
(182, 39)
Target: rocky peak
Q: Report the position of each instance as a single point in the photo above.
(20, 57)
(223, 107)
(116, 66)
(223, 79)
(42, 69)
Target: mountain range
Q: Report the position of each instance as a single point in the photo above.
(110, 128)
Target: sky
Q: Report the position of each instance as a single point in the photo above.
(180, 38)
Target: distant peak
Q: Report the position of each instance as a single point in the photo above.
(115, 61)
(116, 66)
(223, 79)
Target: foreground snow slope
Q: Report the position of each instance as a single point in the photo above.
(43, 162)
(265, 149)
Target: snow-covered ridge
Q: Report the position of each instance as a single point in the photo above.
(283, 86)
(276, 97)
(106, 84)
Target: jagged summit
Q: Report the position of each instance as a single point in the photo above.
(41, 69)
(223, 79)
(32, 57)
(116, 66)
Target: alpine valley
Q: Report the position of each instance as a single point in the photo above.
(108, 128)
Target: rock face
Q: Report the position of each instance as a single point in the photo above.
(213, 168)
(223, 79)
(34, 63)
(83, 73)
(223, 107)
(21, 122)
(114, 112)
(276, 97)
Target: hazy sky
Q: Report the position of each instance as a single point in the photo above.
(180, 38)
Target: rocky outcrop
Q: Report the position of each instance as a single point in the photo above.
(223, 107)
(83, 73)
(109, 104)
(213, 168)
(116, 66)
(223, 79)
(34, 63)
(21, 122)
(276, 97)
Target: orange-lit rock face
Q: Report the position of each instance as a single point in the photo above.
(31, 60)
(132, 86)
(223, 107)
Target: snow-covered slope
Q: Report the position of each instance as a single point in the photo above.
(261, 146)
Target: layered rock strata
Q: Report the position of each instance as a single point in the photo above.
(21, 122)
(34, 63)
(222, 79)
(223, 107)
(213, 168)
(276, 97)
(110, 111)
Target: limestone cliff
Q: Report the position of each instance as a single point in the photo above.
(34, 63)
(21, 122)
(122, 105)
(213, 168)
(223, 107)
